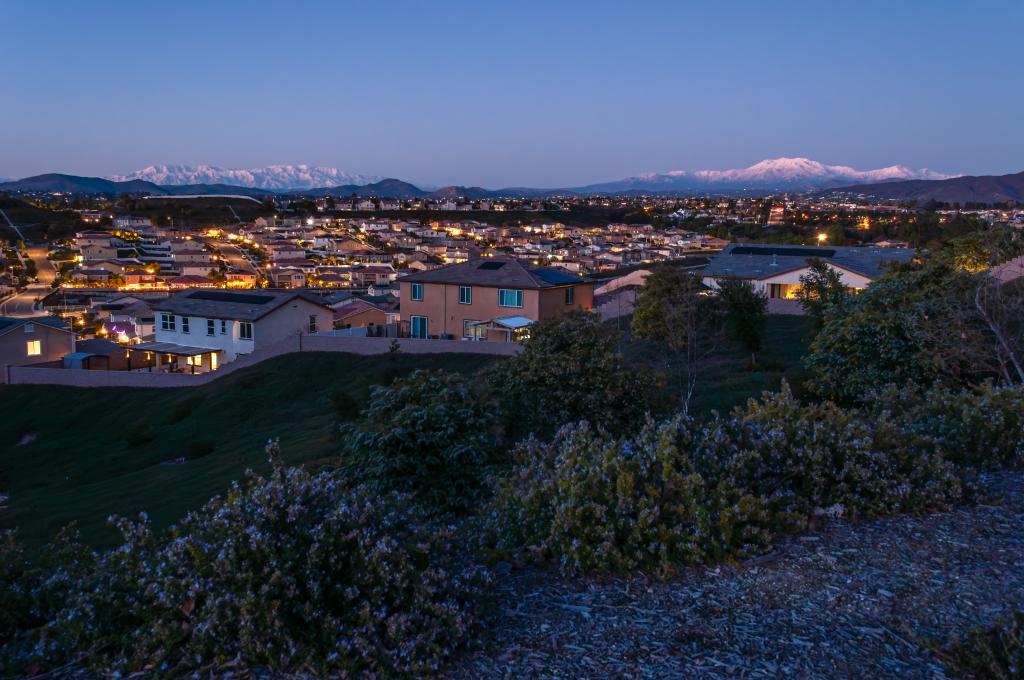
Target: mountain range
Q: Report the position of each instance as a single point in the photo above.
(271, 177)
(769, 176)
(968, 189)
(778, 174)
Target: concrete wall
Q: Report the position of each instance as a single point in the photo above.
(27, 375)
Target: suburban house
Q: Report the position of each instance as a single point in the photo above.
(33, 340)
(776, 269)
(198, 330)
(488, 299)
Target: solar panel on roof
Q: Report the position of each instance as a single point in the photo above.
(491, 266)
(241, 298)
(784, 251)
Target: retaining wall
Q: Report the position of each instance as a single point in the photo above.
(30, 375)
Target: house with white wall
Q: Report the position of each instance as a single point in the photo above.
(199, 330)
(776, 269)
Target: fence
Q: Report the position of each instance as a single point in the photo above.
(32, 375)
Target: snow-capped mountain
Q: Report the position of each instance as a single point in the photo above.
(793, 174)
(276, 177)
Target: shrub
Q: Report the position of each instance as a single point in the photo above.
(595, 503)
(681, 493)
(981, 427)
(426, 434)
(569, 370)
(997, 652)
(287, 572)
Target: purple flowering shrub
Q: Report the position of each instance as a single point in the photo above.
(980, 427)
(293, 571)
(681, 492)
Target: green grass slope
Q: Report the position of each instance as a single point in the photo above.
(104, 451)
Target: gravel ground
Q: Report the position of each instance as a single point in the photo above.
(853, 601)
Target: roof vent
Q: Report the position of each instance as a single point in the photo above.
(775, 260)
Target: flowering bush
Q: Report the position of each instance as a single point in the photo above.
(981, 427)
(679, 493)
(597, 503)
(291, 571)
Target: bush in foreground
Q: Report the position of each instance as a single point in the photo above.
(289, 572)
(683, 493)
(996, 652)
(427, 434)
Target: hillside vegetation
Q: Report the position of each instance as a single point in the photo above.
(101, 451)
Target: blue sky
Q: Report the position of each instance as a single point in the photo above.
(518, 93)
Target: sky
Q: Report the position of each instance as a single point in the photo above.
(497, 94)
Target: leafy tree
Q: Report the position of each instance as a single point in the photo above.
(821, 288)
(744, 314)
(570, 370)
(427, 434)
(672, 309)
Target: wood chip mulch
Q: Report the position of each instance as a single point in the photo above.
(853, 601)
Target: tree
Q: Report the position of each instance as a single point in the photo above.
(427, 434)
(744, 314)
(569, 370)
(821, 288)
(673, 310)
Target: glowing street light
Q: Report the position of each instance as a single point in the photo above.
(822, 237)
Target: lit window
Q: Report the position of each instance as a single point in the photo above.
(570, 296)
(465, 295)
(245, 330)
(210, 327)
(472, 331)
(416, 292)
(35, 348)
(510, 298)
(167, 322)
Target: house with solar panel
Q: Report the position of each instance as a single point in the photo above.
(495, 299)
(199, 330)
(776, 269)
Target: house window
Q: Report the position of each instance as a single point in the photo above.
(245, 330)
(184, 324)
(167, 322)
(312, 323)
(223, 327)
(418, 326)
(210, 327)
(570, 296)
(30, 328)
(465, 295)
(416, 292)
(35, 348)
(471, 331)
(510, 298)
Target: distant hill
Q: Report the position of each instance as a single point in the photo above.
(969, 189)
(271, 178)
(386, 188)
(54, 182)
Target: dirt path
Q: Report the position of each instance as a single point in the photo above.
(853, 601)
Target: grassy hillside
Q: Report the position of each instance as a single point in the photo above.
(98, 452)
(726, 380)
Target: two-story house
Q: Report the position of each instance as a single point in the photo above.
(488, 298)
(33, 340)
(198, 330)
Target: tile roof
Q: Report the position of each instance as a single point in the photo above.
(750, 261)
(496, 272)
